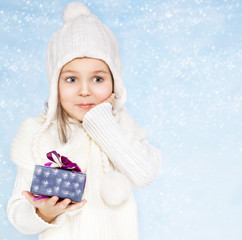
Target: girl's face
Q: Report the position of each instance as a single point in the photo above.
(83, 84)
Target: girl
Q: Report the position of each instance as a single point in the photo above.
(87, 122)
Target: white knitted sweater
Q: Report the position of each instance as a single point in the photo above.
(128, 151)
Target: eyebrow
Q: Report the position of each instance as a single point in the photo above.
(68, 71)
(100, 71)
(94, 72)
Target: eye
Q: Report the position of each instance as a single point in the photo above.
(71, 79)
(97, 79)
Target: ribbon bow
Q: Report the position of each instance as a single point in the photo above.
(58, 161)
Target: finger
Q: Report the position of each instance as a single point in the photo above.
(112, 95)
(63, 204)
(111, 98)
(29, 196)
(52, 201)
(75, 206)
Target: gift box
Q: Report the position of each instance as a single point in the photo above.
(59, 181)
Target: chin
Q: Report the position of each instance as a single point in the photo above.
(79, 117)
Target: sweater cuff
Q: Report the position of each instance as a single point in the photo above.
(100, 122)
(23, 216)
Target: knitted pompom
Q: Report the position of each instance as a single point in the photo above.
(115, 188)
(75, 9)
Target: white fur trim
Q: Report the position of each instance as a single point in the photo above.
(115, 188)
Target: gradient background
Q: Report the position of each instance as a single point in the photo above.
(183, 71)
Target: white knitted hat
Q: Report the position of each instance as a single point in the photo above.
(82, 35)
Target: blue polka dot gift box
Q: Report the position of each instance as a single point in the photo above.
(60, 177)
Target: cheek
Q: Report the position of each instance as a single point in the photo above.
(65, 95)
(104, 93)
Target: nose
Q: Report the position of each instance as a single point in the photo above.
(84, 89)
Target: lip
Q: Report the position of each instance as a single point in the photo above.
(85, 106)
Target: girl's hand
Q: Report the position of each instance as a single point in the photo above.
(111, 99)
(49, 208)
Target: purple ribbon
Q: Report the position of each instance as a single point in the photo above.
(64, 161)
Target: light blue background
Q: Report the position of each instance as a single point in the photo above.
(183, 71)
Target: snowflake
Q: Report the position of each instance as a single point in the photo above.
(45, 183)
(81, 178)
(76, 185)
(38, 171)
(57, 189)
(47, 173)
(78, 191)
(67, 184)
(55, 171)
(49, 190)
(73, 175)
(64, 175)
(58, 180)
(65, 192)
(36, 188)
